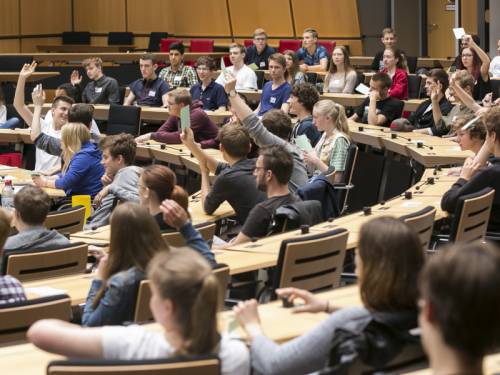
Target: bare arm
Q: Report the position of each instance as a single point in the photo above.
(483, 56)
(205, 183)
(38, 99)
(463, 96)
(129, 99)
(71, 340)
(321, 67)
(373, 118)
(164, 100)
(19, 100)
(187, 139)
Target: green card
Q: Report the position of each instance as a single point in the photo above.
(185, 118)
(233, 324)
(253, 66)
(303, 142)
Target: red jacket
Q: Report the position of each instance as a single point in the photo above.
(204, 130)
(399, 88)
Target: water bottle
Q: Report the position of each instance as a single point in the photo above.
(8, 195)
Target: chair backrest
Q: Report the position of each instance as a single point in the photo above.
(70, 220)
(471, 216)
(329, 45)
(207, 231)
(312, 262)
(202, 45)
(294, 215)
(75, 37)
(166, 42)
(143, 312)
(422, 222)
(411, 61)
(261, 78)
(120, 37)
(248, 43)
(154, 40)
(495, 88)
(293, 44)
(124, 119)
(16, 318)
(186, 365)
(35, 265)
(311, 77)
(414, 83)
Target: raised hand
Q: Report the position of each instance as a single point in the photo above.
(75, 78)
(230, 82)
(247, 314)
(173, 214)
(27, 70)
(38, 95)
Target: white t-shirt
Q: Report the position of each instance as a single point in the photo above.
(93, 127)
(135, 342)
(46, 161)
(245, 78)
(495, 67)
(3, 114)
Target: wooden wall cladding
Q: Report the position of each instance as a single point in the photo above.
(145, 16)
(200, 18)
(99, 16)
(9, 17)
(45, 16)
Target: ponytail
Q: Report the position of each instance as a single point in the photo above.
(336, 112)
(180, 196)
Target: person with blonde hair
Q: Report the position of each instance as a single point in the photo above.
(185, 295)
(82, 170)
(330, 153)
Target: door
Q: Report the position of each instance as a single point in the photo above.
(440, 22)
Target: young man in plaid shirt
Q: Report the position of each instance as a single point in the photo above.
(178, 74)
(11, 289)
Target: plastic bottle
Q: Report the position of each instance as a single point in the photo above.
(8, 195)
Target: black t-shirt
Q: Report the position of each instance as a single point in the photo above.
(259, 219)
(481, 88)
(251, 56)
(390, 107)
(236, 185)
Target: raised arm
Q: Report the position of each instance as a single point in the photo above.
(464, 97)
(19, 100)
(483, 56)
(38, 97)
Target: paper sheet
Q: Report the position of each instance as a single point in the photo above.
(303, 142)
(185, 118)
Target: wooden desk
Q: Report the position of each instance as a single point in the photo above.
(422, 62)
(23, 177)
(15, 135)
(35, 77)
(65, 48)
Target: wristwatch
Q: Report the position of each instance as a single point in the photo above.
(233, 93)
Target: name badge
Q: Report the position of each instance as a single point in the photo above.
(262, 64)
(177, 79)
(152, 93)
(272, 100)
(98, 90)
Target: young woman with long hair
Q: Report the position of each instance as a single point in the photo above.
(294, 75)
(395, 67)
(341, 76)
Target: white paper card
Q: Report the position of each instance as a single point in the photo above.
(363, 89)
(459, 32)
(43, 291)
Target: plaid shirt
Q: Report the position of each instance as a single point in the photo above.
(185, 76)
(11, 290)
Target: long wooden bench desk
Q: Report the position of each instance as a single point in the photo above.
(35, 77)
(21, 177)
(75, 48)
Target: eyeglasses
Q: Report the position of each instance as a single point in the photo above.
(467, 55)
(202, 69)
(259, 39)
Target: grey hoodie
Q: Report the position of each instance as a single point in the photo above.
(124, 187)
(36, 238)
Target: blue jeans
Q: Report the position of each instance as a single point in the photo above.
(11, 123)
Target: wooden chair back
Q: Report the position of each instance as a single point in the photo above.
(312, 262)
(70, 220)
(16, 318)
(190, 365)
(422, 222)
(207, 231)
(28, 266)
(472, 216)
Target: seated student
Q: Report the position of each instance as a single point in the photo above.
(67, 89)
(207, 90)
(341, 76)
(274, 129)
(302, 100)
(472, 137)
(150, 90)
(247, 80)
(273, 169)
(275, 92)
(120, 178)
(60, 107)
(495, 63)
(11, 290)
(31, 206)
(82, 169)
(436, 84)
(473, 178)
(5, 123)
(459, 307)
(184, 302)
(235, 182)
(178, 74)
(312, 56)
(204, 129)
(260, 51)
(294, 76)
(101, 89)
(477, 63)
(379, 108)
(395, 68)
(443, 122)
(330, 153)
(388, 260)
(389, 40)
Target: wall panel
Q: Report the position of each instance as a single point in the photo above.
(201, 18)
(9, 46)
(45, 16)
(28, 45)
(145, 16)
(469, 16)
(330, 18)
(100, 16)
(9, 17)
(274, 16)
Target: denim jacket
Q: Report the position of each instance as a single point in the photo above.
(118, 302)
